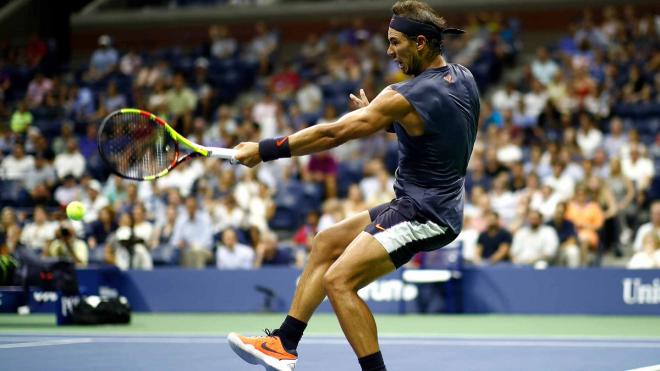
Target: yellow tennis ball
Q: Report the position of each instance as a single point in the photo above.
(75, 210)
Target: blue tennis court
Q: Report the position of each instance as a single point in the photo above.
(73, 352)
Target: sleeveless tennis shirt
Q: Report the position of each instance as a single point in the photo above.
(431, 169)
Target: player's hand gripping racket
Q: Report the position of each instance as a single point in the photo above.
(139, 145)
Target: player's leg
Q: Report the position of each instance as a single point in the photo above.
(392, 239)
(363, 262)
(327, 246)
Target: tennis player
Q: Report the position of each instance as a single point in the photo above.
(434, 116)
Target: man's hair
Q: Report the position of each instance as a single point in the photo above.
(421, 12)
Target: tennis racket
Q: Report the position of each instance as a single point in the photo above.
(139, 145)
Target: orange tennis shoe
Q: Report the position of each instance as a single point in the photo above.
(267, 351)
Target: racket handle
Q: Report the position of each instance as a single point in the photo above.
(223, 153)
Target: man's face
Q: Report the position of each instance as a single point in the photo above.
(534, 220)
(492, 221)
(191, 206)
(18, 152)
(404, 52)
(229, 238)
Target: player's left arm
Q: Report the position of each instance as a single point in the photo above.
(387, 107)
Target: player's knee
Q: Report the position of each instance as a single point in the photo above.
(324, 246)
(334, 281)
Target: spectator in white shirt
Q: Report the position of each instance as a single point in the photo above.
(507, 98)
(261, 209)
(588, 137)
(246, 189)
(544, 68)
(651, 228)
(535, 100)
(615, 140)
(233, 255)
(193, 235)
(94, 201)
(309, 98)
(70, 162)
(40, 232)
(43, 173)
(563, 184)
(184, 177)
(534, 244)
(545, 201)
(17, 165)
(227, 214)
(142, 228)
(265, 113)
(68, 191)
(638, 168)
(468, 237)
(503, 201)
(649, 256)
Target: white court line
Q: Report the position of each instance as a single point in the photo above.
(450, 343)
(547, 343)
(414, 342)
(188, 335)
(384, 336)
(647, 368)
(45, 343)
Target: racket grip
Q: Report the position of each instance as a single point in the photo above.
(223, 153)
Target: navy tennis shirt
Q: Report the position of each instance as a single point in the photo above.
(432, 166)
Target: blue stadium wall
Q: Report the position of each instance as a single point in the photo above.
(481, 290)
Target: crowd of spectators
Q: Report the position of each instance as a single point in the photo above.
(562, 172)
(572, 143)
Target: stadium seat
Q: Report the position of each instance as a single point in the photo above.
(286, 218)
(12, 193)
(165, 255)
(97, 255)
(311, 197)
(288, 201)
(347, 174)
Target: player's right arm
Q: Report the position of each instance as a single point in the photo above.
(387, 107)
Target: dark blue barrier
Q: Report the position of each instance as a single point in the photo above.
(210, 290)
(267, 289)
(501, 289)
(561, 291)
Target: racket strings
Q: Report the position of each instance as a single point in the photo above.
(136, 146)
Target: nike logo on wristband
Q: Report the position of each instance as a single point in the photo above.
(279, 143)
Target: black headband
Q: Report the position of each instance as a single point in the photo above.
(414, 28)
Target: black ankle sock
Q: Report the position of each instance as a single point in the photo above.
(291, 332)
(372, 362)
